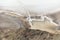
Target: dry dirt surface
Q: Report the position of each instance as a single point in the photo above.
(28, 34)
(20, 30)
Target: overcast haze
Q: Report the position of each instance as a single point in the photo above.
(34, 5)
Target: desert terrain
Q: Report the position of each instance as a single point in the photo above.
(22, 30)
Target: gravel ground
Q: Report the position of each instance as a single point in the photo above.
(28, 34)
(22, 32)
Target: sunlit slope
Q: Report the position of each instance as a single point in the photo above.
(45, 26)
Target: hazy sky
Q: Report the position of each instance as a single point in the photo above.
(35, 5)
